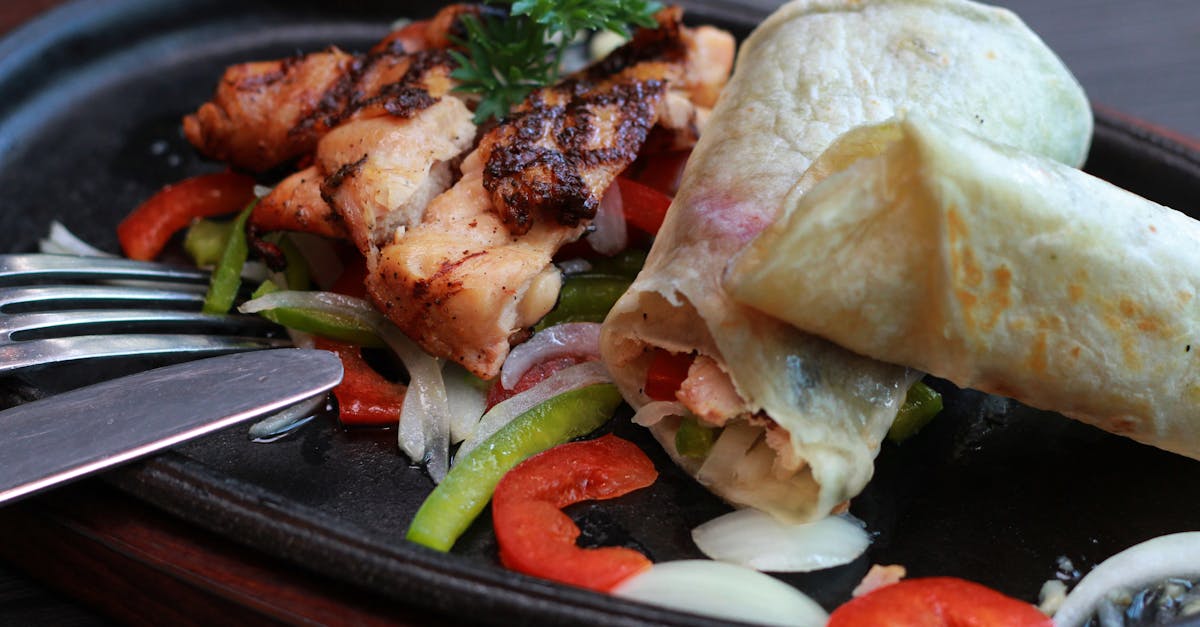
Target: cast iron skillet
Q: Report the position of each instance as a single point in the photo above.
(90, 101)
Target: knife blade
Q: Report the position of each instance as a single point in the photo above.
(77, 433)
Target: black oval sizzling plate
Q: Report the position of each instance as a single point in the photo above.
(90, 101)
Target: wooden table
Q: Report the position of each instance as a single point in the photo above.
(1139, 57)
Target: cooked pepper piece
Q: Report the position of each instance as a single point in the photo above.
(920, 406)
(645, 208)
(364, 397)
(459, 498)
(937, 602)
(145, 231)
(666, 374)
(585, 298)
(537, 538)
(320, 323)
(205, 241)
(227, 276)
(627, 263)
(694, 439)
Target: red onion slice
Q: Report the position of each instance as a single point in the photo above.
(610, 235)
(571, 338)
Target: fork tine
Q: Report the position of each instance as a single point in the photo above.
(100, 320)
(21, 355)
(18, 268)
(67, 296)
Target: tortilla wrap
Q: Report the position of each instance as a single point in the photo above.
(998, 270)
(810, 72)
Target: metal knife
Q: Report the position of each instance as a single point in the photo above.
(77, 433)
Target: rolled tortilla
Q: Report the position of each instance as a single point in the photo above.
(810, 72)
(998, 270)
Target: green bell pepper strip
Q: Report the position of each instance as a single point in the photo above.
(205, 241)
(693, 439)
(920, 406)
(325, 324)
(627, 263)
(585, 298)
(468, 487)
(227, 277)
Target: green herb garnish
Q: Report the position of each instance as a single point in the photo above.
(504, 59)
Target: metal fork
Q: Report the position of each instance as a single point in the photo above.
(61, 308)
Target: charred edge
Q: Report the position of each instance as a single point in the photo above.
(327, 111)
(271, 254)
(423, 287)
(335, 180)
(266, 79)
(528, 177)
(404, 101)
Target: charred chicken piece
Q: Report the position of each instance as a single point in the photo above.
(269, 113)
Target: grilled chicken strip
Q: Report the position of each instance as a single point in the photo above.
(476, 271)
(268, 113)
(384, 170)
(418, 82)
(460, 284)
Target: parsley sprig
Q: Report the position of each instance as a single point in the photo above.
(503, 59)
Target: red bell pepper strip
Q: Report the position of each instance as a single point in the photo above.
(937, 602)
(145, 231)
(645, 208)
(365, 398)
(537, 538)
(663, 170)
(666, 374)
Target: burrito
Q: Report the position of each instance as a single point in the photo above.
(997, 270)
(800, 418)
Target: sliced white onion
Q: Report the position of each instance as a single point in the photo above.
(723, 591)
(610, 235)
(61, 241)
(571, 338)
(1174, 555)
(424, 432)
(300, 339)
(465, 401)
(653, 412)
(255, 271)
(565, 380)
(326, 302)
(751, 538)
(324, 266)
(280, 424)
(574, 266)
(727, 452)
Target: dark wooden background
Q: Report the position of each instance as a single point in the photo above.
(1140, 57)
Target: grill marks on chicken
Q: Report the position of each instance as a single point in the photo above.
(476, 271)
(413, 88)
(464, 270)
(269, 113)
(558, 153)
(383, 171)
